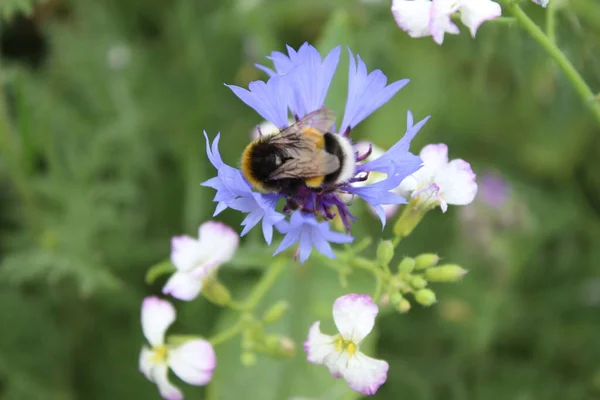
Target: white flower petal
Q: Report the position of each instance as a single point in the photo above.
(216, 244)
(434, 156)
(457, 183)
(318, 345)
(412, 16)
(183, 286)
(193, 362)
(145, 362)
(473, 13)
(440, 21)
(157, 316)
(167, 390)
(363, 374)
(185, 252)
(354, 316)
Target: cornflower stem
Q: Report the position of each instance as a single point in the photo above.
(548, 44)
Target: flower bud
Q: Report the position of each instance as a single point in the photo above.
(406, 266)
(248, 359)
(396, 299)
(426, 260)
(279, 346)
(445, 273)
(385, 252)
(418, 282)
(276, 311)
(215, 291)
(425, 297)
(403, 306)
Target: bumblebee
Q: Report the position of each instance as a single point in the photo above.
(303, 154)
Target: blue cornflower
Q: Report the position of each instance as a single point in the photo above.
(306, 230)
(298, 84)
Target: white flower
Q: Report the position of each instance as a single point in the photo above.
(440, 182)
(195, 259)
(412, 16)
(193, 361)
(362, 147)
(421, 18)
(354, 317)
(472, 14)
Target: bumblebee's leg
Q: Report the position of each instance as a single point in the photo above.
(290, 205)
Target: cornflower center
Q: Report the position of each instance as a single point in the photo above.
(345, 345)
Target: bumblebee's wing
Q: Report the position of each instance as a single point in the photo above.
(321, 120)
(304, 163)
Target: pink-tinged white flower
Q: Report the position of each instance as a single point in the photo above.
(421, 18)
(196, 259)
(193, 361)
(412, 16)
(440, 182)
(354, 316)
(364, 147)
(472, 14)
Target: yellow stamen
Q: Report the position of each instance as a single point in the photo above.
(160, 353)
(347, 345)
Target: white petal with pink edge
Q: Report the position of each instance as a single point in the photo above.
(183, 286)
(167, 390)
(354, 315)
(440, 21)
(457, 183)
(473, 13)
(362, 373)
(157, 316)
(412, 16)
(193, 362)
(146, 362)
(318, 345)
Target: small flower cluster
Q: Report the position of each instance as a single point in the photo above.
(298, 84)
(420, 18)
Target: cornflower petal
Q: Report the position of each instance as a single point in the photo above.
(473, 13)
(310, 233)
(543, 3)
(269, 100)
(412, 16)
(193, 362)
(157, 316)
(309, 76)
(366, 93)
(354, 316)
(440, 21)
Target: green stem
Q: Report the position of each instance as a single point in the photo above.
(266, 281)
(563, 62)
(551, 22)
(227, 334)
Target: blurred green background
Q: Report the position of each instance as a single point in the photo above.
(102, 153)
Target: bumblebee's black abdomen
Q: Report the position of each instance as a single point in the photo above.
(333, 146)
(263, 158)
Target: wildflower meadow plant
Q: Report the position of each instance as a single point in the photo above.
(385, 180)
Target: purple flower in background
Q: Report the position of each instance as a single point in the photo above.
(298, 84)
(494, 190)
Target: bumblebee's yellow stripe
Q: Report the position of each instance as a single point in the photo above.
(316, 136)
(314, 182)
(246, 167)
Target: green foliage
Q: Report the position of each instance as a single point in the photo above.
(10, 8)
(102, 153)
